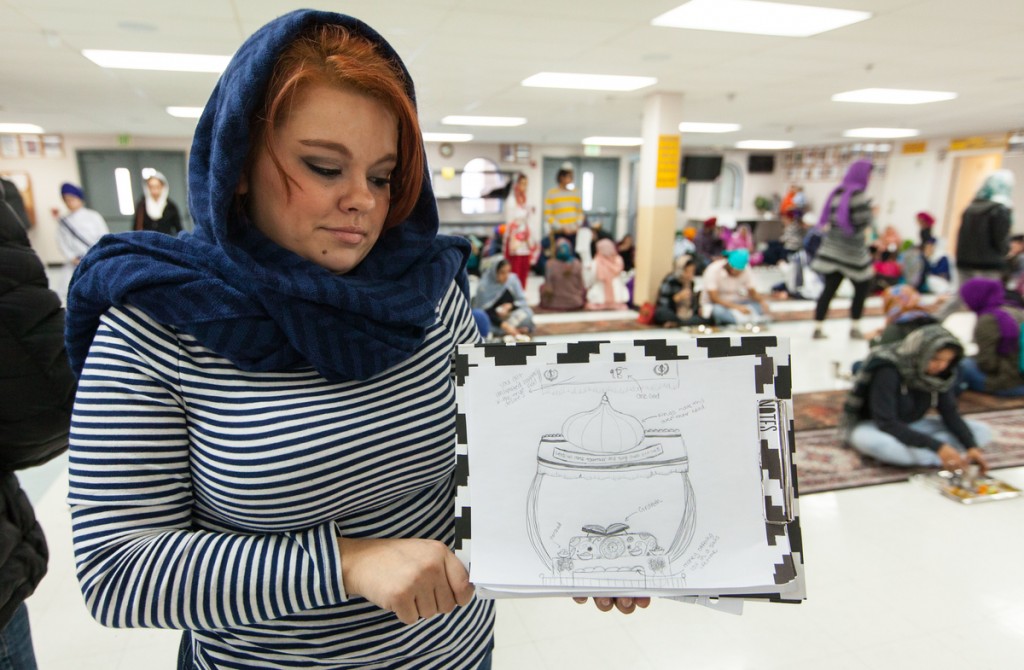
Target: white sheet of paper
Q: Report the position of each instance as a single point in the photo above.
(530, 527)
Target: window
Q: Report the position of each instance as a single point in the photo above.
(725, 196)
(479, 178)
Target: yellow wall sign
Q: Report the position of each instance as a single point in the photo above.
(913, 147)
(668, 162)
(979, 142)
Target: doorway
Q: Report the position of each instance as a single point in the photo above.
(113, 181)
(969, 173)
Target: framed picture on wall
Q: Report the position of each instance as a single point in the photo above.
(53, 146)
(9, 147)
(31, 146)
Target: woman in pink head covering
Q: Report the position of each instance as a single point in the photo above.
(609, 291)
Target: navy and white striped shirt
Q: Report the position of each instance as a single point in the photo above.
(204, 497)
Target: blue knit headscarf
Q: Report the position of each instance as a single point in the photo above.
(260, 306)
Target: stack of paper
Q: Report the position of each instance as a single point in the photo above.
(646, 468)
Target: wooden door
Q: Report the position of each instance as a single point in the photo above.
(969, 173)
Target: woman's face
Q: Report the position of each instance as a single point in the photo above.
(940, 362)
(501, 274)
(155, 186)
(340, 148)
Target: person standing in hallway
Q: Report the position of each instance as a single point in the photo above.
(563, 208)
(37, 390)
(843, 252)
(520, 247)
(156, 211)
(983, 240)
(77, 231)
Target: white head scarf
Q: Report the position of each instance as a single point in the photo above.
(155, 207)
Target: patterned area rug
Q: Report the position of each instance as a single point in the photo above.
(824, 465)
(821, 409)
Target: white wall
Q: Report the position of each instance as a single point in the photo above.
(912, 182)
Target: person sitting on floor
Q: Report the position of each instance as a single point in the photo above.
(901, 305)
(885, 415)
(501, 296)
(609, 288)
(563, 288)
(996, 368)
(678, 300)
(728, 294)
(888, 271)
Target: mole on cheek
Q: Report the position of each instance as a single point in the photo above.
(324, 252)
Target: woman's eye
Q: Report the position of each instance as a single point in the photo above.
(381, 182)
(323, 171)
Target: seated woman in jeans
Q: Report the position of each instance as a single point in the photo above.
(885, 413)
(996, 368)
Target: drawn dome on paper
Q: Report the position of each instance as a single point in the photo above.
(603, 430)
(632, 512)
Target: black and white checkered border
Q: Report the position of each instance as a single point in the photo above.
(773, 382)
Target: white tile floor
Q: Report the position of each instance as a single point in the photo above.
(897, 577)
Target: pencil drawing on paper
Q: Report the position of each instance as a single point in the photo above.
(611, 502)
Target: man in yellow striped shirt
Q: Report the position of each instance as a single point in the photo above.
(563, 208)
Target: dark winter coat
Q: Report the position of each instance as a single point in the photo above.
(37, 390)
(984, 237)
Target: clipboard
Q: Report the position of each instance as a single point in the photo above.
(657, 432)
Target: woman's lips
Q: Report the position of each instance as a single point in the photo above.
(347, 235)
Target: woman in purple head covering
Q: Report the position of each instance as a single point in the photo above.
(996, 368)
(843, 251)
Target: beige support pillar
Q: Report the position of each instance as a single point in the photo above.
(658, 194)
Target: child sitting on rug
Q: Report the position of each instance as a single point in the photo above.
(884, 415)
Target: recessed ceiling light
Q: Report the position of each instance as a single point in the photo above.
(589, 82)
(185, 112)
(483, 121)
(764, 144)
(447, 137)
(893, 96)
(698, 127)
(151, 60)
(759, 18)
(880, 133)
(613, 141)
(27, 128)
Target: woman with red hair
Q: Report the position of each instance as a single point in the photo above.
(262, 451)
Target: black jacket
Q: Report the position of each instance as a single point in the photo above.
(168, 224)
(37, 391)
(984, 237)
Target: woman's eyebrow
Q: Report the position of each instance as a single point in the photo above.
(344, 150)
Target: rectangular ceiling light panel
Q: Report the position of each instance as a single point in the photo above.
(589, 82)
(497, 121)
(758, 18)
(893, 96)
(447, 137)
(151, 60)
(700, 127)
(881, 133)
